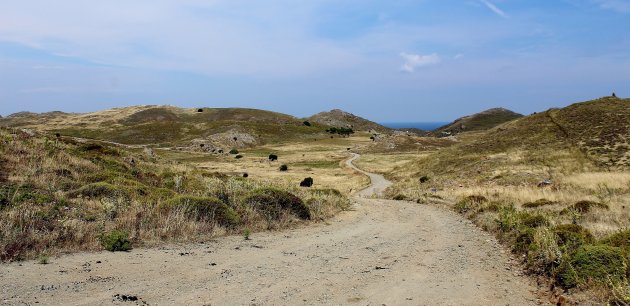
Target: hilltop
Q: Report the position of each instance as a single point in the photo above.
(480, 121)
(207, 128)
(599, 128)
(339, 118)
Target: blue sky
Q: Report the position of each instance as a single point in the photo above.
(396, 60)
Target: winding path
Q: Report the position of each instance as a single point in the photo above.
(381, 253)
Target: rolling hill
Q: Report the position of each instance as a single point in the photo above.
(339, 118)
(171, 126)
(481, 121)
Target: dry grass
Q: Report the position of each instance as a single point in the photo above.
(60, 196)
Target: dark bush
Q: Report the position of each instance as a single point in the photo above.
(539, 203)
(399, 197)
(586, 206)
(234, 151)
(571, 237)
(273, 157)
(116, 241)
(328, 191)
(523, 240)
(284, 168)
(245, 174)
(307, 182)
(205, 209)
(307, 123)
(424, 179)
(238, 156)
(200, 110)
(534, 221)
(272, 202)
(620, 239)
(596, 263)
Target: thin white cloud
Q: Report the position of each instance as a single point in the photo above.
(622, 6)
(458, 56)
(414, 61)
(494, 8)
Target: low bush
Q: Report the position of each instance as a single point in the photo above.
(273, 202)
(273, 157)
(205, 209)
(284, 168)
(620, 239)
(592, 263)
(534, 221)
(399, 197)
(238, 156)
(307, 182)
(586, 206)
(539, 203)
(116, 241)
(571, 237)
(234, 151)
(306, 123)
(424, 179)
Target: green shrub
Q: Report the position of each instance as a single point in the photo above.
(100, 189)
(272, 202)
(306, 123)
(523, 240)
(234, 151)
(116, 241)
(597, 263)
(533, 221)
(469, 203)
(586, 206)
(620, 239)
(284, 168)
(205, 209)
(571, 237)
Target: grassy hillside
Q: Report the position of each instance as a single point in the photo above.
(553, 186)
(339, 118)
(478, 122)
(58, 195)
(172, 126)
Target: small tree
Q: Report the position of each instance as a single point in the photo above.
(307, 182)
(284, 168)
(273, 157)
(307, 123)
(234, 151)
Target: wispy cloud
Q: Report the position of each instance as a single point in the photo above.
(494, 8)
(622, 6)
(414, 61)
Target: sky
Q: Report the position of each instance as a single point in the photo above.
(388, 60)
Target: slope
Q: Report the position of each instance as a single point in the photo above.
(481, 121)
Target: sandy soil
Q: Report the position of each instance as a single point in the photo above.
(380, 253)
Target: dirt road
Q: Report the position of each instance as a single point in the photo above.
(382, 252)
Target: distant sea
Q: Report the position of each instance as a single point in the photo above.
(426, 126)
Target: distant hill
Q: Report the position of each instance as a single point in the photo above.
(339, 118)
(172, 126)
(481, 121)
(599, 128)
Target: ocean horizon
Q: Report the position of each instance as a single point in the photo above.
(426, 126)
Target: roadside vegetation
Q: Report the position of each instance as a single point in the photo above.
(61, 195)
(554, 187)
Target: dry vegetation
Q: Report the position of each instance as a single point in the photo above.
(575, 230)
(60, 195)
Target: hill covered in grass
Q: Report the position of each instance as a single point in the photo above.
(553, 186)
(339, 118)
(222, 128)
(58, 194)
(481, 121)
